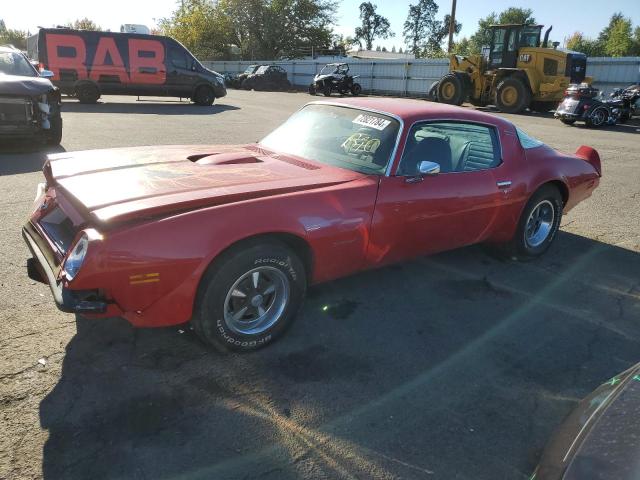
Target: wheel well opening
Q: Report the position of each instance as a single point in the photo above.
(562, 188)
(299, 246)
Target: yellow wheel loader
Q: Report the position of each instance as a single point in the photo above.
(515, 72)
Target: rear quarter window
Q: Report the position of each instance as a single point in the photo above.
(528, 141)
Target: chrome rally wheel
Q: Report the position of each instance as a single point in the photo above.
(540, 223)
(256, 300)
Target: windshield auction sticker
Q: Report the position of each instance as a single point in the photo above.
(371, 121)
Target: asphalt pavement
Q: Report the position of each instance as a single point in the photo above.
(454, 366)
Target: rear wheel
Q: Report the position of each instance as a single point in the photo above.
(538, 224)
(451, 90)
(512, 95)
(249, 296)
(87, 93)
(204, 96)
(598, 117)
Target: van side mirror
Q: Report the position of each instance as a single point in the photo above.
(428, 168)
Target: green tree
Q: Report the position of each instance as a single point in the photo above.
(17, 38)
(419, 24)
(463, 47)
(439, 32)
(84, 24)
(579, 43)
(617, 37)
(636, 42)
(260, 29)
(373, 26)
(194, 24)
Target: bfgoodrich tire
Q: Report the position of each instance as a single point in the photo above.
(538, 224)
(249, 296)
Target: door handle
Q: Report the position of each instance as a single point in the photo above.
(504, 184)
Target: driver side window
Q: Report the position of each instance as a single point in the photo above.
(455, 146)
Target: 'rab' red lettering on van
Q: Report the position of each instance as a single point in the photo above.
(55, 62)
(146, 69)
(107, 46)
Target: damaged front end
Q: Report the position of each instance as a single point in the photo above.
(28, 116)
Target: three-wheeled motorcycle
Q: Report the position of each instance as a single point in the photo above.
(335, 77)
(585, 103)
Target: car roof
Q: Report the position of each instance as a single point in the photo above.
(410, 110)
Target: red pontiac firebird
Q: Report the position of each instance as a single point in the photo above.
(230, 237)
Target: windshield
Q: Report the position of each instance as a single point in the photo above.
(12, 63)
(340, 136)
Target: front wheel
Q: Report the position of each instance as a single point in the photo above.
(538, 224)
(312, 89)
(568, 121)
(204, 96)
(356, 89)
(54, 135)
(249, 296)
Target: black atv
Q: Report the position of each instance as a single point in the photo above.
(335, 77)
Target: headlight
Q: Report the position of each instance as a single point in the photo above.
(76, 257)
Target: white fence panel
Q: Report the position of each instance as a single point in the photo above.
(414, 77)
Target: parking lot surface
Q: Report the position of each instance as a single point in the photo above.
(455, 366)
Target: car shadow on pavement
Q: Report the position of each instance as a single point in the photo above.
(147, 107)
(24, 157)
(457, 365)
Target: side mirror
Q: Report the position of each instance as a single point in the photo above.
(428, 168)
(46, 74)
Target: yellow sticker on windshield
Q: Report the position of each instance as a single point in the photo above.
(361, 143)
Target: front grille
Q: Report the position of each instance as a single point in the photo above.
(15, 110)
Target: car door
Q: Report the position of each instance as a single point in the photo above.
(420, 214)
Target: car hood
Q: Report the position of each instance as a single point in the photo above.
(132, 183)
(17, 85)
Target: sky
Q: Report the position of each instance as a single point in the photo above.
(566, 16)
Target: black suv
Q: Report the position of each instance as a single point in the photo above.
(29, 103)
(267, 77)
